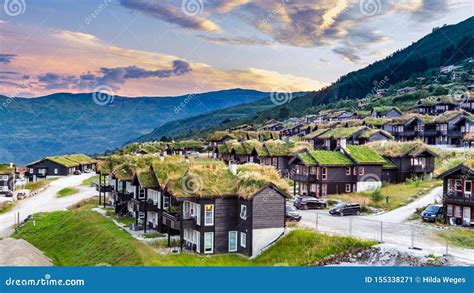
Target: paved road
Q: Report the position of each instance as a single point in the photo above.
(46, 201)
(403, 213)
(388, 228)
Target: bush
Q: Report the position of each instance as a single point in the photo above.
(376, 195)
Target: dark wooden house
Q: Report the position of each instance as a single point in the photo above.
(60, 166)
(7, 179)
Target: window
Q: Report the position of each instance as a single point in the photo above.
(348, 188)
(31, 170)
(361, 170)
(324, 173)
(209, 242)
(449, 211)
(243, 212)
(141, 193)
(312, 187)
(198, 214)
(209, 215)
(166, 202)
(354, 171)
(457, 211)
(324, 189)
(56, 171)
(232, 241)
(243, 239)
(458, 186)
(348, 171)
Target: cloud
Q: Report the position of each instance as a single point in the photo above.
(7, 58)
(165, 12)
(112, 77)
(237, 41)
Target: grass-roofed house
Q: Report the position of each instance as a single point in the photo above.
(7, 179)
(341, 136)
(412, 159)
(212, 207)
(319, 173)
(371, 135)
(385, 112)
(60, 166)
(458, 197)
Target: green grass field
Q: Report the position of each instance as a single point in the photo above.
(7, 206)
(89, 181)
(459, 237)
(81, 237)
(33, 186)
(67, 191)
(399, 194)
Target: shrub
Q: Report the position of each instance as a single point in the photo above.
(376, 195)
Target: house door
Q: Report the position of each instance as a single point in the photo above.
(466, 215)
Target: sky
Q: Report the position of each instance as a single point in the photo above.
(167, 48)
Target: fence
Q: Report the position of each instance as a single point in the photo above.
(411, 236)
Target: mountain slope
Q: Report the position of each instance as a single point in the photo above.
(67, 123)
(444, 46)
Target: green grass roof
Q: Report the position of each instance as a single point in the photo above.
(370, 132)
(447, 116)
(72, 160)
(147, 178)
(6, 169)
(218, 135)
(316, 133)
(382, 110)
(330, 158)
(307, 159)
(397, 149)
(341, 132)
(364, 155)
(376, 121)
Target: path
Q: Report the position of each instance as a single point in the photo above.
(46, 201)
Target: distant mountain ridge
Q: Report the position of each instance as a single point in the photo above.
(70, 123)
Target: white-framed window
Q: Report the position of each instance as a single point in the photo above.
(31, 170)
(361, 170)
(312, 187)
(232, 241)
(467, 187)
(324, 173)
(449, 211)
(458, 185)
(324, 189)
(243, 212)
(348, 171)
(348, 188)
(354, 171)
(209, 242)
(198, 214)
(208, 215)
(166, 202)
(56, 171)
(243, 239)
(457, 211)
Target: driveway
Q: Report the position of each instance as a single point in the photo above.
(403, 213)
(46, 201)
(389, 228)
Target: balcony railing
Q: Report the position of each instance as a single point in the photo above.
(460, 198)
(142, 205)
(123, 196)
(173, 220)
(422, 169)
(304, 178)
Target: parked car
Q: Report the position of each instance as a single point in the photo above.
(292, 214)
(431, 212)
(192, 153)
(345, 209)
(308, 202)
(77, 172)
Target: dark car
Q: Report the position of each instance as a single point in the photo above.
(308, 202)
(431, 212)
(77, 172)
(345, 209)
(292, 214)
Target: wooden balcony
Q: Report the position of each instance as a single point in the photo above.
(122, 196)
(142, 205)
(304, 178)
(173, 220)
(459, 198)
(422, 169)
(105, 188)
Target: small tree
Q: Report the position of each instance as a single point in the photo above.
(376, 195)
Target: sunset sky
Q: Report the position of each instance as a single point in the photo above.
(159, 48)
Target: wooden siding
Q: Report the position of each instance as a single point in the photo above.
(268, 209)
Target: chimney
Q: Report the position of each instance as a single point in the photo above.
(342, 143)
(11, 165)
(233, 167)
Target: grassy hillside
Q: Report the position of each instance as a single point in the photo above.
(74, 123)
(444, 46)
(81, 237)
